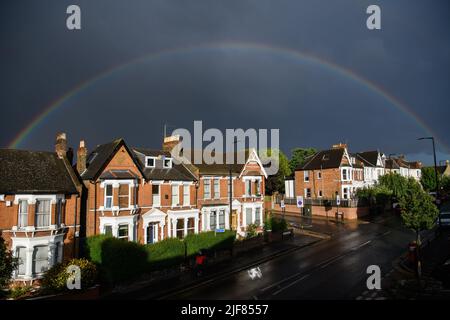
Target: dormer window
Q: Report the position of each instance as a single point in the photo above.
(150, 162)
(167, 163)
(325, 157)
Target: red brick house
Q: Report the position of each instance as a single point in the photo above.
(144, 195)
(137, 194)
(247, 201)
(326, 174)
(39, 207)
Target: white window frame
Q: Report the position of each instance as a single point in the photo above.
(306, 176)
(129, 195)
(216, 183)
(42, 214)
(175, 195)
(127, 228)
(247, 186)
(111, 196)
(21, 213)
(204, 188)
(186, 195)
(154, 162)
(170, 163)
(306, 192)
(156, 196)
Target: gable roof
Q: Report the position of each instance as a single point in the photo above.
(23, 171)
(369, 158)
(100, 157)
(326, 159)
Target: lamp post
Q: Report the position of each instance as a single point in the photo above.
(435, 166)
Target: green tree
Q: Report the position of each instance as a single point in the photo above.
(276, 182)
(418, 210)
(428, 179)
(396, 183)
(298, 157)
(8, 264)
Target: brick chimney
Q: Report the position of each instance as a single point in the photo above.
(61, 145)
(339, 146)
(170, 142)
(81, 157)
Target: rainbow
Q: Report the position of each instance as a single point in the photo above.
(288, 53)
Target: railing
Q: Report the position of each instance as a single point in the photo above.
(346, 203)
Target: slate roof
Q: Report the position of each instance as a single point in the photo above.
(369, 158)
(23, 171)
(177, 172)
(98, 157)
(224, 168)
(325, 159)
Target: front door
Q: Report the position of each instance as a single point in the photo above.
(234, 220)
(151, 233)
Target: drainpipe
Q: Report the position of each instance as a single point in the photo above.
(95, 205)
(75, 228)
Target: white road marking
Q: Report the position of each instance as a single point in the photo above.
(290, 285)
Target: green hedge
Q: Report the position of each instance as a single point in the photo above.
(209, 240)
(120, 260)
(165, 253)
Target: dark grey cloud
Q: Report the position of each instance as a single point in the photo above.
(312, 105)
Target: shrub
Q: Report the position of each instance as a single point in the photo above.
(8, 263)
(122, 260)
(55, 279)
(210, 240)
(275, 224)
(251, 231)
(165, 253)
(18, 292)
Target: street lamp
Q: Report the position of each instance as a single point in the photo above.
(435, 167)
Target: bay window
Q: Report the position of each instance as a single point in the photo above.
(248, 188)
(40, 259)
(222, 219)
(123, 232)
(248, 216)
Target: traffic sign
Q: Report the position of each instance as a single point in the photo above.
(282, 205)
(338, 200)
(220, 230)
(300, 201)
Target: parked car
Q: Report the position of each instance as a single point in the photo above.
(444, 219)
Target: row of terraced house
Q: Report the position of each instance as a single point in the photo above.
(336, 172)
(48, 203)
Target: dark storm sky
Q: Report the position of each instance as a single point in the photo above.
(311, 105)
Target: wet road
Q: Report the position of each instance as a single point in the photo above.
(332, 269)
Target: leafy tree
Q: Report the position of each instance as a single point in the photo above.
(396, 183)
(276, 182)
(418, 210)
(298, 157)
(8, 264)
(445, 184)
(428, 179)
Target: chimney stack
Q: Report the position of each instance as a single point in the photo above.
(170, 142)
(61, 145)
(339, 146)
(81, 157)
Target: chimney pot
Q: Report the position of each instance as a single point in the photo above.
(81, 157)
(61, 144)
